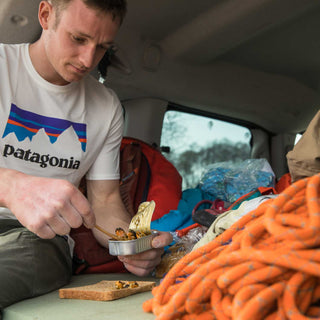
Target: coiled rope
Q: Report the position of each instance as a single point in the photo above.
(266, 266)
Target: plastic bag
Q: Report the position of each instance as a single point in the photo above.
(229, 181)
(182, 245)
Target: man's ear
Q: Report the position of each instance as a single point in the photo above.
(45, 14)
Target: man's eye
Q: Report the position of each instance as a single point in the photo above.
(78, 40)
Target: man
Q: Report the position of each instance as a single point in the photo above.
(58, 124)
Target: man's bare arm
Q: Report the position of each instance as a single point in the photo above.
(109, 210)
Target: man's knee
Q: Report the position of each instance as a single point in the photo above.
(30, 266)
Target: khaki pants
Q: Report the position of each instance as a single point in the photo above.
(30, 266)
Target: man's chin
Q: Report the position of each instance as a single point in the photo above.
(71, 75)
(73, 78)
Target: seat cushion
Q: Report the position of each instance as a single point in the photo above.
(51, 307)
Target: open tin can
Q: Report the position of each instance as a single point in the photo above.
(128, 247)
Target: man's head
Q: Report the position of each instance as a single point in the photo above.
(76, 35)
(117, 8)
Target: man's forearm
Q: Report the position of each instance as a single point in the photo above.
(110, 216)
(108, 208)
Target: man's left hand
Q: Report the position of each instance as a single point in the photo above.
(142, 264)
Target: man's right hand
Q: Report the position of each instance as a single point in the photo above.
(46, 206)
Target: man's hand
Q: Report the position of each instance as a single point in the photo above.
(48, 207)
(142, 264)
(111, 214)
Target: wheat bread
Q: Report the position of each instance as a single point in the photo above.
(104, 291)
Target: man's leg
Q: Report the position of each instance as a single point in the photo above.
(31, 266)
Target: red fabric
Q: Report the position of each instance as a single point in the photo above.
(92, 257)
(182, 232)
(165, 184)
(114, 266)
(283, 183)
(267, 190)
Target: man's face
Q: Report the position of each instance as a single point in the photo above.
(75, 46)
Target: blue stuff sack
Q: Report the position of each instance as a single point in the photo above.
(229, 181)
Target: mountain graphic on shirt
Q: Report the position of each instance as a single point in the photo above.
(25, 124)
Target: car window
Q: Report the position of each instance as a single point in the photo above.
(192, 142)
(298, 137)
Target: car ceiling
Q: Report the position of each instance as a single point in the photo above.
(253, 60)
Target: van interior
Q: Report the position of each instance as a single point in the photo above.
(253, 63)
(240, 77)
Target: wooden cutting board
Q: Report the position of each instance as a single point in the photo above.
(104, 291)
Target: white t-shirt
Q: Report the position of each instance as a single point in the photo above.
(47, 130)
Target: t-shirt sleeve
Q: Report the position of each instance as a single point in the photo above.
(106, 166)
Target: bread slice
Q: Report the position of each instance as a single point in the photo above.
(104, 291)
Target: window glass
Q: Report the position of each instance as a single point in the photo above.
(298, 137)
(192, 142)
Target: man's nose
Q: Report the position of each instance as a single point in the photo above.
(87, 55)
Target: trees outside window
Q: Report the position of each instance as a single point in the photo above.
(195, 142)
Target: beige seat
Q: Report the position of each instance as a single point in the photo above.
(51, 307)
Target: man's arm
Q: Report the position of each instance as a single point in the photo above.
(110, 213)
(107, 205)
(45, 206)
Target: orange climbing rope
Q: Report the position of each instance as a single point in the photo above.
(266, 266)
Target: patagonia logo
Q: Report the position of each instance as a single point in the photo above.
(42, 159)
(27, 124)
